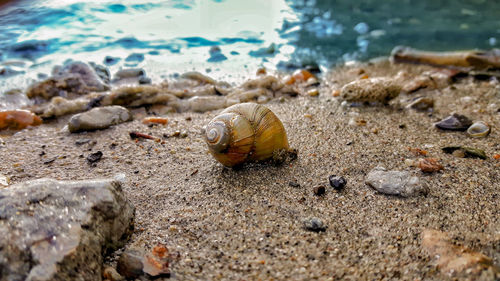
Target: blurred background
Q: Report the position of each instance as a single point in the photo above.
(230, 39)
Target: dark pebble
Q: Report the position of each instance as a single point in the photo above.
(337, 182)
(94, 157)
(455, 122)
(144, 80)
(319, 190)
(314, 224)
(130, 264)
(294, 184)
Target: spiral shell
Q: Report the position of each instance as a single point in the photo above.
(245, 132)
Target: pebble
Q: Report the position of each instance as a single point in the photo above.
(111, 274)
(455, 122)
(130, 264)
(18, 119)
(130, 73)
(94, 157)
(294, 184)
(319, 190)
(314, 224)
(429, 165)
(337, 182)
(395, 182)
(99, 118)
(135, 263)
(313, 92)
(479, 129)
(379, 89)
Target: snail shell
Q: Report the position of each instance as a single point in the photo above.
(245, 132)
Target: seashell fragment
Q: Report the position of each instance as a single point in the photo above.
(455, 122)
(479, 129)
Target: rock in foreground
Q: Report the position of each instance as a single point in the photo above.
(59, 230)
(395, 182)
(99, 118)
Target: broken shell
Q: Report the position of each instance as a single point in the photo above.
(455, 122)
(479, 129)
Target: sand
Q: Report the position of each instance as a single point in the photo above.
(247, 224)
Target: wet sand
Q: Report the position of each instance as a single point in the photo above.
(247, 224)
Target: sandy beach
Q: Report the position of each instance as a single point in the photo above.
(247, 223)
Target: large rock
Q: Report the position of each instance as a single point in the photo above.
(74, 78)
(99, 118)
(60, 230)
(395, 182)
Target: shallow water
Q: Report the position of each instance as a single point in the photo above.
(168, 37)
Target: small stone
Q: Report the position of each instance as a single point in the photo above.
(130, 264)
(319, 190)
(294, 184)
(314, 224)
(144, 80)
(378, 89)
(429, 165)
(111, 274)
(94, 157)
(337, 182)
(18, 119)
(395, 182)
(455, 122)
(130, 73)
(99, 118)
(313, 92)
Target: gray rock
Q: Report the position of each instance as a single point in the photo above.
(395, 182)
(314, 224)
(59, 230)
(99, 118)
(74, 78)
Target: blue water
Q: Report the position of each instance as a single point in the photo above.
(230, 38)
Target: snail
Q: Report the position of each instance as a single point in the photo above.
(245, 132)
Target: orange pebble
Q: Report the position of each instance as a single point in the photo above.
(289, 80)
(496, 156)
(302, 75)
(18, 119)
(261, 71)
(336, 93)
(155, 120)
